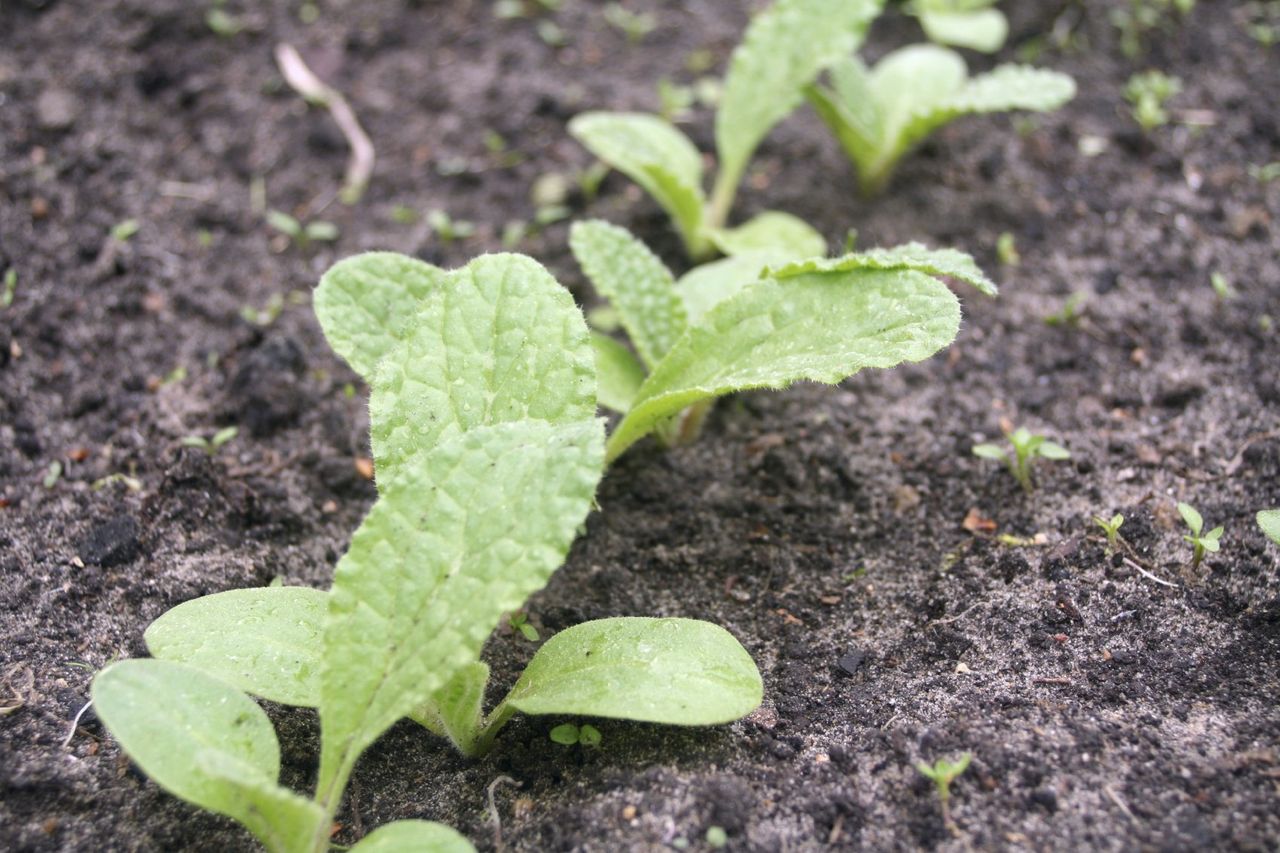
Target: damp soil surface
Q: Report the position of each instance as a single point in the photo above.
(905, 601)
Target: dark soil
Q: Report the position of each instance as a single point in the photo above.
(1105, 708)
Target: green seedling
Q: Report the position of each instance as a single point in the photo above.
(488, 452)
(449, 229)
(634, 25)
(1111, 528)
(519, 621)
(267, 314)
(675, 102)
(1027, 447)
(879, 114)
(974, 24)
(1222, 287)
(1135, 18)
(1069, 314)
(1269, 521)
(123, 230)
(943, 772)
(1265, 173)
(1147, 94)
(716, 837)
(568, 734)
(302, 235)
(214, 443)
(784, 49)
(1007, 250)
(10, 287)
(221, 22)
(1201, 543)
(759, 318)
(52, 474)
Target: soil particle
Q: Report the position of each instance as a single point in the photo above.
(111, 543)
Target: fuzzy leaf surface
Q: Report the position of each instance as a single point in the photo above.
(704, 287)
(266, 641)
(635, 281)
(1269, 521)
(618, 373)
(364, 304)
(817, 326)
(205, 742)
(675, 671)
(413, 836)
(771, 231)
(909, 256)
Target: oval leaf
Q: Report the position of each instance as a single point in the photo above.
(413, 836)
(1269, 521)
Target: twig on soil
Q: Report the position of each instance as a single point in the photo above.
(75, 724)
(1236, 461)
(495, 818)
(1131, 564)
(1115, 798)
(306, 83)
(951, 619)
(1057, 679)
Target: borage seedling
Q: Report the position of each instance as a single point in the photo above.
(214, 443)
(1111, 528)
(943, 772)
(1201, 542)
(879, 114)
(488, 452)
(757, 319)
(784, 49)
(1147, 94)
(1027, 446)
(1269, 521)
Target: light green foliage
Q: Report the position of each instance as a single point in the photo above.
(771, 231)
(1269, 521)
(568, 734)
(10, 287)
(1027, 447)
(1201, 542)
(125, 229)
(1069, 314)
(943, 772)
(413, 836)
(1147, 94)
(448, 229)
(1110, 527)
(974, 24)
(1007, 250)
(716, 837)
(206, 742)
(706, 286)
(910, 257)
(212, 444)
(52, 474)
(619, 373)
(1136, 18)
(1222, 286)
(303, 235)
(634, 25)
(879, 114)
(519, 621)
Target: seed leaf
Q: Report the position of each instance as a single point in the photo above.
(413, 836)
(618, 373)
(676, 671)
(909, 256)
(1269, 521)
(266, 641)
(1193, 518)
(773, 231)
(205, 742)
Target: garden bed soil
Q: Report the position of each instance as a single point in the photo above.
(1105, 708)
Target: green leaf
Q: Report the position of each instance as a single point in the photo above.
(565, 734)
(1269, 521)
(851, 111)
(772, 231)
(1213, 536)
(784, 49)
(264, 641)
(655, 155)
(819, 326)
(365, 303)
(205, 742)
(909, 256)
(990, 451)
(413, 836)
(706, 286)
(1053, 450)
(1193, 519)
(618, 373)
(499, 341)
(983, 30)
(676, 671)
(636, 283)
(456, 710)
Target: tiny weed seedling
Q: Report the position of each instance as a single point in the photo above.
(10, 287)
(760, 318)
(52, 474)
(125, 229)
(519, 621)
(1069, 314)
(1111, 528)
(1201, 543)
(1147, 94)
(302, 235)
(1222, 287)
(214, 443)
(784, 49)
(568, 734)
(943, 772)
(1007, 250)
(1027, 446)
(717, 838)
(448, 229)
(1269, 521)
(488, 453)
(634, 25)
(1135, 18)
(879, 114)
(975, 24)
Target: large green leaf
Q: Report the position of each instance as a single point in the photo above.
(818, 326)
(677, 671)
(499, 341)
(264, 641)
(910, 256)
(1269, 521)
(655, 155)
(365, 302)
(205, 742)
(704, 287)
(771, 231)
(413, 836)
(636, 283)
(618, 373)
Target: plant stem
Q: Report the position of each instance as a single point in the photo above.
(722, 196)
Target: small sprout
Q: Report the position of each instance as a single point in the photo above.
(1222, 286)
(308, 13)
(1269, 521)
(634, 25)
(717, 838)
(943, 773)
(349, 391)
(1111, 528)
(222, 23)
(122, 231)
(211, 445)
(568, 734)
(1265, 174)
(402, 214)
(52, 474)
(674, 101)
(1007, 250)
(178, 374)
(1201, 543)
(1135, 18)
(513, 234)
(265, 315)
(133, 484)
(447, 228)
(1147, 94)
(505, 10)
(1026, 447)
(519, 621)
(1069, 314)
(551, 34)
(590, 179)
(10, 287)
(301, 234)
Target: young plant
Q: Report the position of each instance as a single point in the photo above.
(784, 49)
(943, 772)
(757, 320)
(1269, 521)
(488, 453)
(974, 24)
(1135, 18)
(213, 444)
(879, 114)
(1201, 543)
(302, 235)
(1069, 314)
(568, 734)
(1147, 94)
(1027, 446)
(1110, 528)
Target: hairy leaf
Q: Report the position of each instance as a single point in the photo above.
(263, 641)
(706, 286)
(1269, 521)
(983, 30)
(413, 836)
(772, 231)
(205, 742)
(909, 256)
(636, 283)
(818, 326)
(676, 671)
(618, 373)
(457, 709)
(365, 302)
(655, 155)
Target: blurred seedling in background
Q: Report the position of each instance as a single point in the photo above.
(1222, 287)
(1027, 447)
(1069, 314)
(974, 24)
(123, 230)
(943, 772)
(1111, 528)
(1202, 543)
(634, 25)
(10, 287)
(1007, 250)
(1269, 521)
(568, 734)
(519, 621)
(447, 229)
(213, 444)
(1136, 18)
(302, 234)
(1147, 94)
